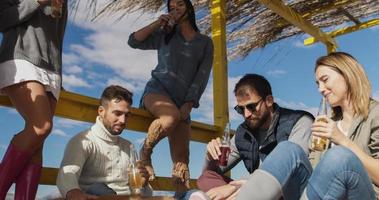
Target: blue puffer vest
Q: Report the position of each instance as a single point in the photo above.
(248, 146)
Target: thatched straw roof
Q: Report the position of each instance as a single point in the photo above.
(251, 25)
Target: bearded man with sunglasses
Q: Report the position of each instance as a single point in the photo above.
(266, 124)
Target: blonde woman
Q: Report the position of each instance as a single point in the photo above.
(350, 168)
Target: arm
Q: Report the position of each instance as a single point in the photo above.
(201, 78)
(72, 164)
(13, 15)
(213, 151)
(301, 133)
(329, 130)
(149, 37)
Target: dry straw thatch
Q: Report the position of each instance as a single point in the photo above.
(251, 25)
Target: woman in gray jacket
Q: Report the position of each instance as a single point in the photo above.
(30, 75)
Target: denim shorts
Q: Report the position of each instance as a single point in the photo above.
(153, 86)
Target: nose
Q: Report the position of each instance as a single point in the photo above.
(246, 113)
(122, 119)
(321, 88)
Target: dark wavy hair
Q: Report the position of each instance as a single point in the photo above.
(191, 18)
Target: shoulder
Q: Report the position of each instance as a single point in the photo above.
(205, 39)
(295, 113)
(83, 139)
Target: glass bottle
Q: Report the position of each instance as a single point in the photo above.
(318, 143)
(225, 147)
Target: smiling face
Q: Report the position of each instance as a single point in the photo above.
(115, 115)
(179, 9)
(332, 85)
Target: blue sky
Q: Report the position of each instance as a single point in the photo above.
(96, 54)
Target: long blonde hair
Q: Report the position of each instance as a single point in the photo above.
(358, 85)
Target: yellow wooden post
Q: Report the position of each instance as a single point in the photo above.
(220, 70)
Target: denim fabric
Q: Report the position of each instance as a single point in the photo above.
(184, 195)
(289, 164)
(100, 189)
(340, 175)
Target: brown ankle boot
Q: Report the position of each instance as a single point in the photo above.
(181, 176)
(154, 135)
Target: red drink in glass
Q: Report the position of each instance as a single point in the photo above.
(223, 158)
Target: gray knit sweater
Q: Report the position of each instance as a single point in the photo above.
(31, 34)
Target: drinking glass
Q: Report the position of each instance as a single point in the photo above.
(135, 178)
(225, 147)
(318, 143)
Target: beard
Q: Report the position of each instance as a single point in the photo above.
(257, 122)
(110, 128)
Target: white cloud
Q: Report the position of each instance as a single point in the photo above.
(69, 123)
(106, 45)
(276, 72)
(59, 132)
(70, 81)
(205, 111)
(3, 146)
(69, 59)
(74, 69)
(296, 106)
(131, 85)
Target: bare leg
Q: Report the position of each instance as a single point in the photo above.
(179, 149)
(36, 107)
(167, 117)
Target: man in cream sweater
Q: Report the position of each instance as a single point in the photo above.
(96, 160)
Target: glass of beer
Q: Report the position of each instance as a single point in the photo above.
(56, 9)
(135, 178)
(320, 144)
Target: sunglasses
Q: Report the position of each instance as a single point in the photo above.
(251, 107)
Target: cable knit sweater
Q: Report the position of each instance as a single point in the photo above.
(95, 156)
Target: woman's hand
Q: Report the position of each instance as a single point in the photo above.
(185, 110)
(325, 127)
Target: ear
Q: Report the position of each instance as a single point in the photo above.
(269, 100)
(101, 111)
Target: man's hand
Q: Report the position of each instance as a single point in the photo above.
(144, 173)
(77, 194)
(222, 192)
(213, 149)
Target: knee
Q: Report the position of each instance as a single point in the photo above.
(339, 156)
(290, 148)
(169, 122)
(40, 129)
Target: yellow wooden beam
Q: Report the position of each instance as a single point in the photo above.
(220, 70)
(49, 177)
(346, 30)
(296, 19)
(84, 108)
